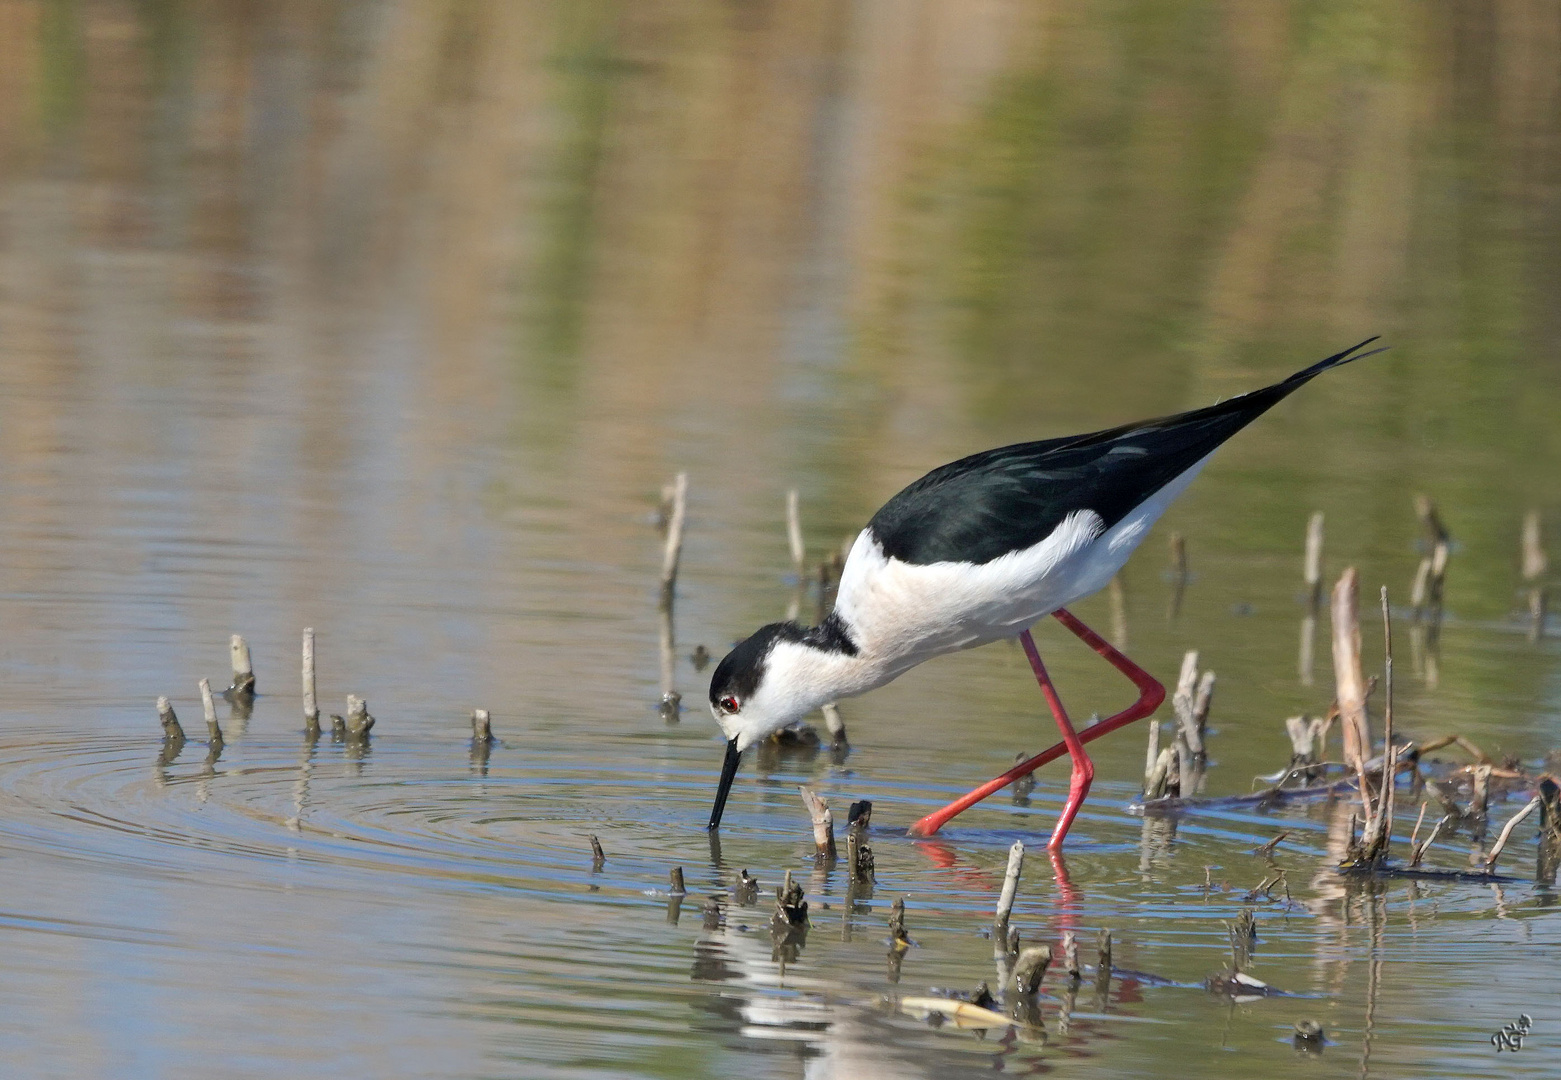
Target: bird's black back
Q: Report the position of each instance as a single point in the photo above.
(984, 506)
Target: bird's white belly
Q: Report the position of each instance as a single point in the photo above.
(902, 613)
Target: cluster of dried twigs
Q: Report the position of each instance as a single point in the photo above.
(1374, 778)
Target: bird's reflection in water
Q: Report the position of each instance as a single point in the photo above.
(777, 1012)
(835, 1031)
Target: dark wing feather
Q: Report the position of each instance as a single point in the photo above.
(982, 507)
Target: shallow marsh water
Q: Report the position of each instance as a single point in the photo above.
(391, 319)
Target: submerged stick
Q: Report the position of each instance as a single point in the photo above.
(823, 825)
(1506, 831)
(311, 704)
(213, 732)
(1421, 848)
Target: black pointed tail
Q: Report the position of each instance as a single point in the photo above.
(1352, 353)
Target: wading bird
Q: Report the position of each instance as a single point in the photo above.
(978, 550)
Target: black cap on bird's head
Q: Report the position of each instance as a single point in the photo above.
(741, 701)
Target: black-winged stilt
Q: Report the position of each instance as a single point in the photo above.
(978, 550)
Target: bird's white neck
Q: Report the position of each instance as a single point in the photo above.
(801, 677)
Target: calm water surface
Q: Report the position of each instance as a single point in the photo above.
(392, 319)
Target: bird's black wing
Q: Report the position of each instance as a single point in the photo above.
(982, 507)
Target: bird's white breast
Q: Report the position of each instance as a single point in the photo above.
(901, 614)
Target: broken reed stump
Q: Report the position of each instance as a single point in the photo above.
(745, 890)
(165, 716)
(213, 731)
(1103, 962)
(482, 727)
(359, 722)
(789, 922)
(835, 726)
(1070, 955)
(1349, 683)
(243, 669)
(897, 934)
(1479, 807)
(859, 856)
(1191, 706)
(1306, 746)
(1534, 564)
(823, 826)
(675, 884)
(598, 856)
(671, 554)
(311, 703)
(1164, 778)
(1151, 757)
(1549, 856)
(1378, 833)
(482, 740)
(1030, 968)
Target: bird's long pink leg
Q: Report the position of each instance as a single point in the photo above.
(1150, 695)
(1083, 767)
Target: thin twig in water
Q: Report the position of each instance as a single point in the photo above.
(1506, 831)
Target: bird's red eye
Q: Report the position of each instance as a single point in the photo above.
(729, 704)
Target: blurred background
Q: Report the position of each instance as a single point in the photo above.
(392, 317)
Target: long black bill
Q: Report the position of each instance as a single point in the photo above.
(724, 788)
